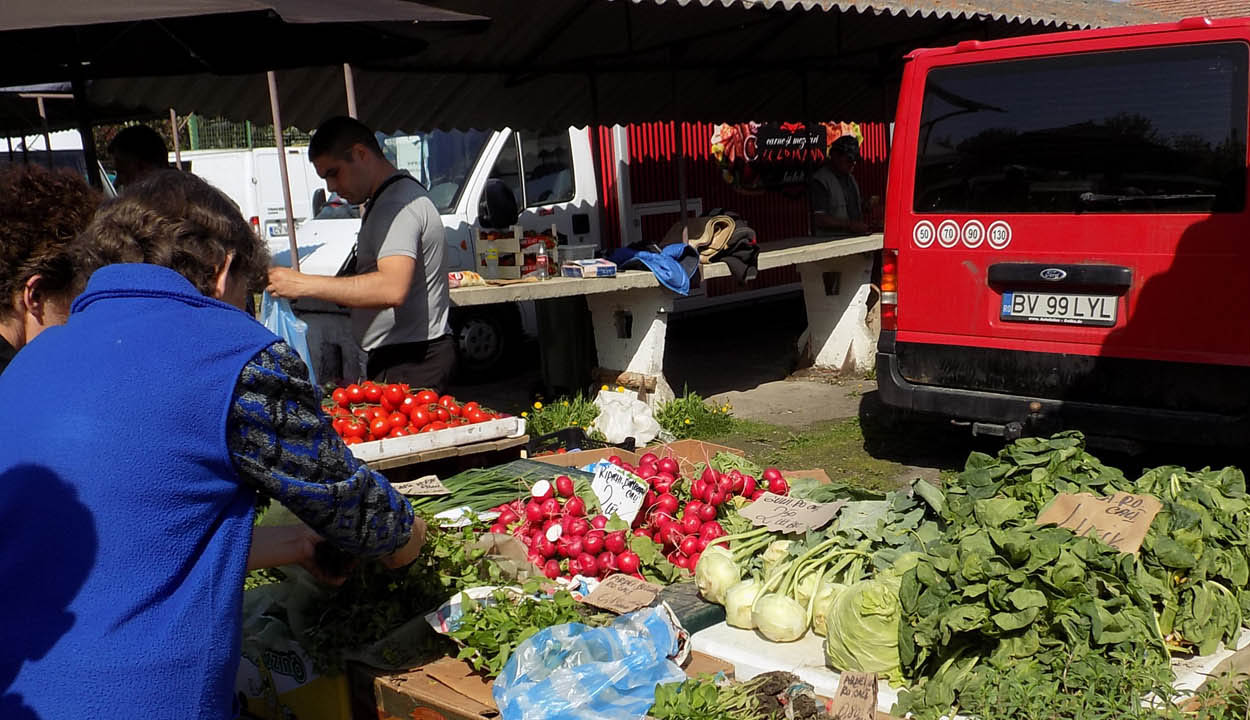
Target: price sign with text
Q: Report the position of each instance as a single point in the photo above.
(428, 485)
(855, 698)
(622, 594)
(619, 492)
(1120, 520)
(789, 514)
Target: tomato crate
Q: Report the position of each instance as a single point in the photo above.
(462, 435)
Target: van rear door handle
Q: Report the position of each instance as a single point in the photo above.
(1041, 275)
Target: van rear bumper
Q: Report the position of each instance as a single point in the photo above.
(1018, 415)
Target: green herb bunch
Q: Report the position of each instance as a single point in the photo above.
(704, 699)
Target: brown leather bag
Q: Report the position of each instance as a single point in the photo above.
(707, 235)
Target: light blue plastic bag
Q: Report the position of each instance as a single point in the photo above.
(278, 317)
(571, 672)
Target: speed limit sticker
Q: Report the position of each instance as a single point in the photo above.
(948, 234)
(973, 234)
(923, 234)
(1000, 235)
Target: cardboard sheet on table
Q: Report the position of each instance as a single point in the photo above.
(458, 675)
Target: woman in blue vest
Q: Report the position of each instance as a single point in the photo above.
(136, 438)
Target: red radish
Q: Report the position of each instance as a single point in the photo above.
(564, 486)
(646, 471)
(536, 560)
(707, 513)
(703, 541)
(590, 566)
(643, 532)
(607, 562)
(615, 541)
(691, 524)
(552, 569)
(662, 520)
(575, 567)
(709, 475)
(551, 507)
(579, 526)
(682, 562)
(575, 546)
(690, 545)
(615, 460)
(663, 486)
(649, 499)
(575, 506)
(668, 465)
(507, 517)
(778, 486)
(739, 483)
(648, 459)
(593, 542)
(748, 487)
(758, 494)
(716, 498)
(546, 548)
(712, 530)
(666, 503)
(542, 490)
(771, 473)
(499, 529)
(627, 562)
(694, 561)
(553, 532)
(599, 522)
(725, 484)
(692, 508)
(698, 488)
(534, 511)
(663, 534)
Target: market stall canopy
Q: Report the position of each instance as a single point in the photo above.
(572, 62)
(57, 40)
(1179, 9)
(19, 110)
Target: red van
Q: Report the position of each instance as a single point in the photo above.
(1067, 237)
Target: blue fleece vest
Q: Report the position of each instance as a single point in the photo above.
(124, 528)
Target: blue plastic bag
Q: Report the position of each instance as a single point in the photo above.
(571, 672)
(278, 317)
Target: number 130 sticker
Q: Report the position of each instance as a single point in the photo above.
(973, 234)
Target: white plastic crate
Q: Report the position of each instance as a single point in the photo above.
(460, 435)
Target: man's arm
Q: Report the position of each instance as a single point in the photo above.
(385, 288)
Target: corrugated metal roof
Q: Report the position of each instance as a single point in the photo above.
(575, 62)
(1178, 9)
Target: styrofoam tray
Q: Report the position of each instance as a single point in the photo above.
(461, 435)
(751, 654)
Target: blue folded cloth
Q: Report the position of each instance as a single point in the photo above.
(673, 266)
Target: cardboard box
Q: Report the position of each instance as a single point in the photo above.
(690, 453)
(447, 689)
(582, 458)
(588, 268)
(279, 682)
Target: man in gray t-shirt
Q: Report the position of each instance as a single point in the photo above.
(398, 294)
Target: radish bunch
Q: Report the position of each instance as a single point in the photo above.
(561, 539)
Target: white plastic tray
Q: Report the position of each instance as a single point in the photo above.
(421, 442)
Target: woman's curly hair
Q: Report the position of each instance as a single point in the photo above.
(42, 213)
(175, 220)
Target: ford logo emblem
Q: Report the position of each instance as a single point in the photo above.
(1054, 274)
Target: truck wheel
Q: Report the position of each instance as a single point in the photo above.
(482, 342)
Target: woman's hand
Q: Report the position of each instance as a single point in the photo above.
(290, 545)
(411, 550)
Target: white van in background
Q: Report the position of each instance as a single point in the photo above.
(253, 180)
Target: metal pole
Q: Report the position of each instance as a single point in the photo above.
(47, 136)
(9, 140)
(286, 183)
(193, 131)
(84, 131)
(173, 129)
(349, 85)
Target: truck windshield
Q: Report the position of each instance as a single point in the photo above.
(441, 160)
(1130, 131)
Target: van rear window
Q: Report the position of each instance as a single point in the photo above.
(1139, 131)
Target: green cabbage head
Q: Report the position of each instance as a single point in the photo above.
(861, 627)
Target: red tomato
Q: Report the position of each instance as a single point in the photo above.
(474, 416)
(420, 417)
(355, 393)
(437, 425)
(447, 401)
(363, 412)
(340, 397)
(470, 407)
(443, 414)
(355, 429)
(380, 427)
(397, 419)
(349, 440)
(394, 393)
(408, 405)
(377, 412)
(338, 424)
(427, 396)
(373, 393)
(397, 432)
(454, 410)
(426, 429)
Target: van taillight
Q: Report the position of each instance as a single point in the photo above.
(889, 289)
(255, 223)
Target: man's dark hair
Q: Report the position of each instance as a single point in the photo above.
(143, 144)
(338, 134)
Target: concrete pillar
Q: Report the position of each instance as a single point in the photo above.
(631, 329)
(836, 293)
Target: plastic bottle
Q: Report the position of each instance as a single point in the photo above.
(541, 261)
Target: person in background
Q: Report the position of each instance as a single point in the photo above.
(137, 151)
(837, 206)
(173, 409)
(42, 214)
(399, 295)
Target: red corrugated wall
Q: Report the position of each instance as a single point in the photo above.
(774, 215)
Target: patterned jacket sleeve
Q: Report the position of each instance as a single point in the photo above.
(283, 445)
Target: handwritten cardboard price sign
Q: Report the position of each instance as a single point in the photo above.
(428, 485)
(622, 594)
(1120, 520)
(619, 492)
(855, 698)
(790, 514)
